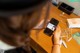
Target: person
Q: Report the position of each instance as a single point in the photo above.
(17, 18)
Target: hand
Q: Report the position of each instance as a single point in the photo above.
(56, 36)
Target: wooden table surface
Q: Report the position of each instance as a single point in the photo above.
(43, 43)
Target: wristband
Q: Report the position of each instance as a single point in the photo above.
(56, 44)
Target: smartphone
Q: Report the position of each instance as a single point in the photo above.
(51, 26)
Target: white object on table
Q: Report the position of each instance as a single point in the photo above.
(62, 42)
(74, 22)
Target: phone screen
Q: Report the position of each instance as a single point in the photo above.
(51, 26)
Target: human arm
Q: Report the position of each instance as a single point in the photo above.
(56, 40)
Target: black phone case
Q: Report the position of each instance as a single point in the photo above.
(47, 30)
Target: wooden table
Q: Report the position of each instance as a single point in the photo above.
(43, 43)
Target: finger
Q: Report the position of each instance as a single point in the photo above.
(58, 30)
